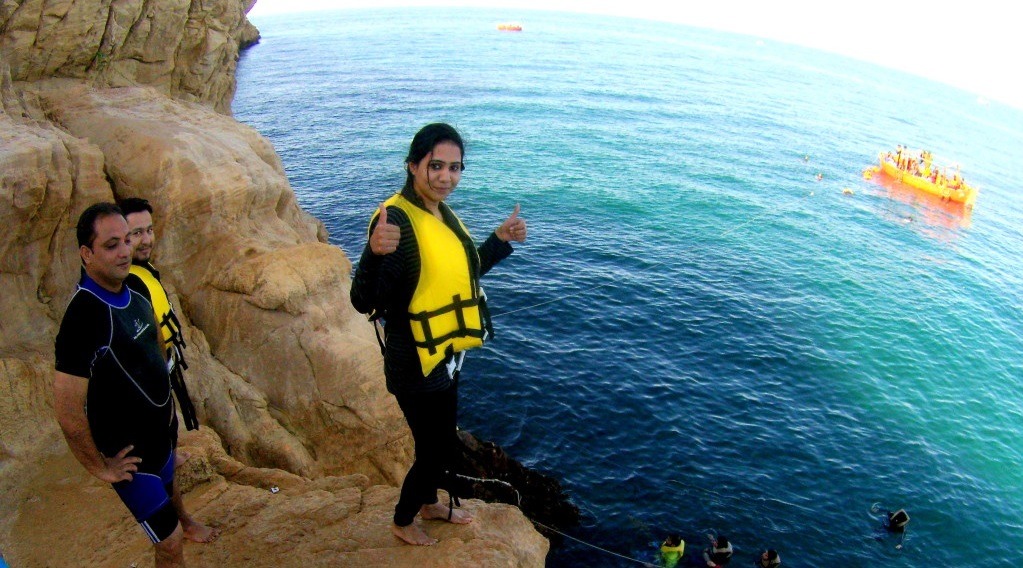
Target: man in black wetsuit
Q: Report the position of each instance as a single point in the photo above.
(112, 391)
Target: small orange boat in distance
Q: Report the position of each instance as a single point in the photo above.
(510, 27)
(917, 169)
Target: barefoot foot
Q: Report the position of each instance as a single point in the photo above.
(198, 532)
(180, 458)
(440, 511)
(413, 534)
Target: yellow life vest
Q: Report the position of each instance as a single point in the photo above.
(674, 549)
(173, 340)
(672, 554)
(444, 312)
(170, 329)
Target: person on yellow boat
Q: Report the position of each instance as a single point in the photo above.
(419, 273)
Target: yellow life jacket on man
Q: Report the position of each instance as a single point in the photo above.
(173, 340)
(445, 310)
(170, 328)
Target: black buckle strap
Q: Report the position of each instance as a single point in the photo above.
(184, 401)
(376, 320)
(488, 324)
(177, 339)
(458, 306)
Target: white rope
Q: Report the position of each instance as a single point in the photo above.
(518, 498)
(622, 556)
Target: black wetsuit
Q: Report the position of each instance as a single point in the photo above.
(113, 341)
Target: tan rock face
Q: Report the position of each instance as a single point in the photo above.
(186, 49)
(270, 299)
(331, 521)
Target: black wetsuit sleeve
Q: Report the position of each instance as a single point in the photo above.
(363, 293)
(492, 251)
(385, 282)
(83, 331)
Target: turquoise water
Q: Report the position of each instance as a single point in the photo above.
(699, 335)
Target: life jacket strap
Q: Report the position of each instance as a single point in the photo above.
(454, 365)
(184, 401)
(457, 305)
(376, 319)
(177, 340)
(377, 328)
(488, 325)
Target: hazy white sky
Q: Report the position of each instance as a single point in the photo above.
(973, 45)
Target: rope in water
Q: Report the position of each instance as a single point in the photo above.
(518, 498)
(651, 267)
(611, 552)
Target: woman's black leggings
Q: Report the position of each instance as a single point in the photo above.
(432, 417)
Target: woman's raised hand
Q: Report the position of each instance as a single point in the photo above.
(513, 228)
(385, 238)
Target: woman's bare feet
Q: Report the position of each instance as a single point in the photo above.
(441, 511)
(413, 534)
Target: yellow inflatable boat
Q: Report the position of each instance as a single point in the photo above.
(917, 169)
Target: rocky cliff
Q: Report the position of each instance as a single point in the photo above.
(108, 99)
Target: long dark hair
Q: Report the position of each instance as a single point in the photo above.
(424, 142)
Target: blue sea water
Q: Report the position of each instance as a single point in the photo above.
(698, 336)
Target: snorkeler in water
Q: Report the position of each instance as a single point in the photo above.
(671, 550)
(892, 522)
(897, 521)
(719, 554)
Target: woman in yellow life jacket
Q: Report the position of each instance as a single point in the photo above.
(419, 273)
